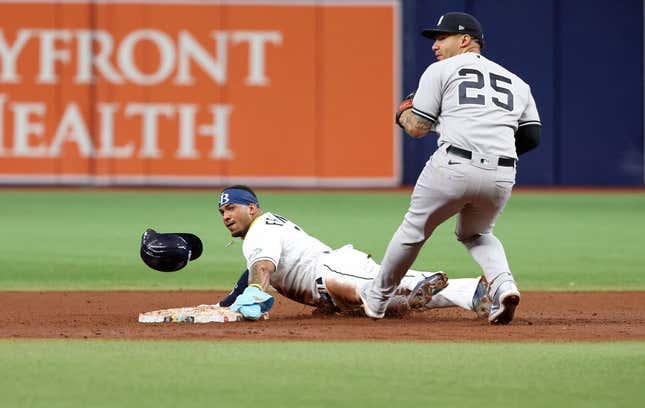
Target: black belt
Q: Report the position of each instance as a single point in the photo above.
(324, 296)
(466, 154)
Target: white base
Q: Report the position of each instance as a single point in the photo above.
(194, 314)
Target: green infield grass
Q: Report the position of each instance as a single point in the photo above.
(90, 239)
(271, 374)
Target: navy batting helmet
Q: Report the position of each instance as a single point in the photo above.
(169, 252)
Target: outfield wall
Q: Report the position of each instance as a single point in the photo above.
(584, 62)
(297, 92)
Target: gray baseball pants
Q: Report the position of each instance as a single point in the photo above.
(476, 189)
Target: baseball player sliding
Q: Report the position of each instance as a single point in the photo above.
(281, 254)
(485, 117)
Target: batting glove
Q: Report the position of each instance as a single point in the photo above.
(252, 303)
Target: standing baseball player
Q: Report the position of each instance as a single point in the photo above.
(485, 117)
(281, 254)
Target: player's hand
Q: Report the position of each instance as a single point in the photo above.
(252, 303)
(405, 105)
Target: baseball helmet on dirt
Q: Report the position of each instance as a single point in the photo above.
(169, 252)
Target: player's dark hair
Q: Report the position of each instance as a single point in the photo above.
(242, 187)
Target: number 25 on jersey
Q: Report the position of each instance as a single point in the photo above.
(505, 99)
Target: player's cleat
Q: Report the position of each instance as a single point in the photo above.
(369, 312)
(505, 300)
(425, 289)
(398, 306)
(481, 300)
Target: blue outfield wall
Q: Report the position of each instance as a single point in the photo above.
(584, 62)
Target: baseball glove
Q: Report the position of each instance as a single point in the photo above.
(405, 105)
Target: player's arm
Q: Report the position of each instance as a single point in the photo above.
(529, 128)
(415, 125)
(419, 112)
(262, 252)
(260, 274)
(254, 300)
(527, 137)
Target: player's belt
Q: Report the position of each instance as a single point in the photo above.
(322, 290)
(467, 154)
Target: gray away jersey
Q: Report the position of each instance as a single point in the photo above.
(475, 103)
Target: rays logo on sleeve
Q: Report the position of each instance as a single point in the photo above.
(254, 254)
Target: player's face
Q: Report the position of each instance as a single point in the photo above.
(237, 218)
(447, 45)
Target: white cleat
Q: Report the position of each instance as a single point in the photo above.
(505, 300)
(366, 307)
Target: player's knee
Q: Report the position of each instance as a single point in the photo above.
(467, 239)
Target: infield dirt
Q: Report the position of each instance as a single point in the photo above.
(541, 316)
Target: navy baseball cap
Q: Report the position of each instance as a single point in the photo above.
(456, 23)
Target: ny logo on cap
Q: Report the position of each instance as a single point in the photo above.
(223, 199)
(461, 27)
(440, 20)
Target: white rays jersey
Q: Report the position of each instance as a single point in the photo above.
(306, 267)
(475, 103)
(294, 253)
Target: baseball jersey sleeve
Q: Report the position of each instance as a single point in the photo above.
(530, 115)
(263, 244)
(427, 100)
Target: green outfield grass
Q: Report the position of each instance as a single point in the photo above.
(90, 240)
(248, 374)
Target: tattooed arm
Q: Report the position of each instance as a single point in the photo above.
(254, 300)
(260, 274)
(415, 125)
